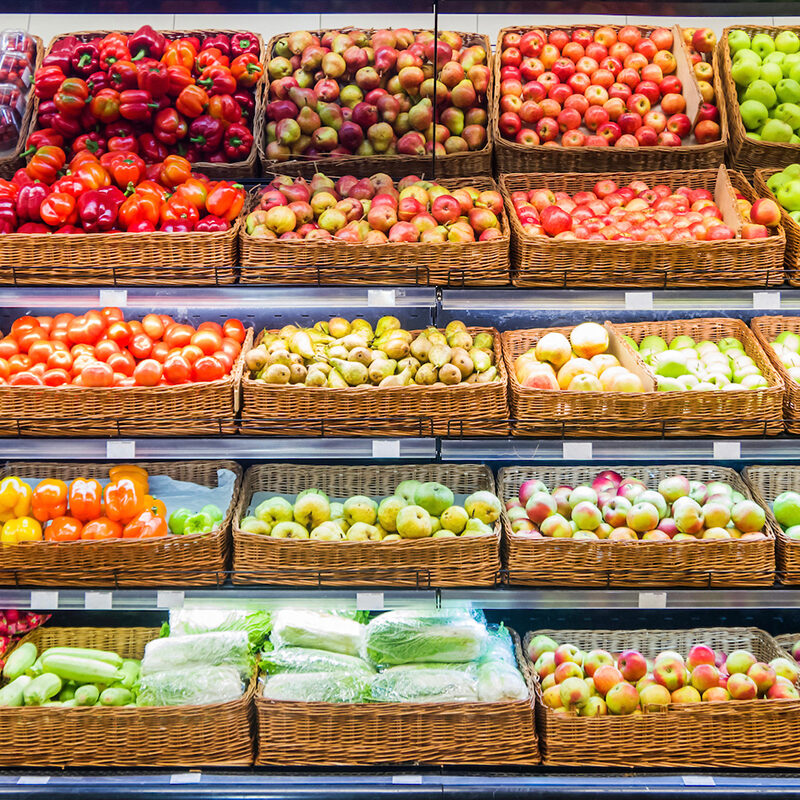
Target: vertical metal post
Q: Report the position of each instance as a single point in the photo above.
(435, 81)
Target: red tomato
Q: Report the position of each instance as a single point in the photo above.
(97, 374)
(82, 350)
(140, 346)
(191, 353)
(112, 314)
(18, 363)
(8, 347)
(87, 329)
(24, 323)
(25, 379)
(135, 327)
(210, 326)
(4, 369)
(126, 381)
(105, 348)
(46, 323)
(207, 368)
(81, 362)
(224, 359)
(177, 369)
(56, 377)
(119, 332)
(40, 351)
(59, 359)
(60, 335)
(207, 340)
(30, 335)
(234, 329)
(166, 320)
(178, 335)
(147, 372)
(153, 326)
(160, 352)
(122, 363)
(38, 369)
(62, 320)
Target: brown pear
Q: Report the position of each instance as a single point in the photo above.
(396, 348)
(277, 373)
(488, 376)
(460, 358)
(280, 357)
(298, 373)
(360, 354)
(439, 355)
(426, 375)
(449, 374)
(338, 327)
(256, 358)
(420, 347)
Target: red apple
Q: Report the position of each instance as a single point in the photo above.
(595, 116)
(568, 119)
(445, 209)
(706, 131)
(655, 119)
(671, 84)
(555, 220)
(527, 137)
(704, 40)
(708, 111)
(579, 82)
(609, 131)
(765, 212)
(533, 90)
(668, 139)
(752, 231)
(573, 138)
(547, 128)
(510, 124)
(679, 124)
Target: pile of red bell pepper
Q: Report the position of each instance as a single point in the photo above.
(151, 95)
(113, 193)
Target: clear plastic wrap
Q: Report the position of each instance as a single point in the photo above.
(299, 627)
(318, 687)
(220, 648)
(499, 646)
(306, 659)
(414, 637)
(498, 681)
(192, 621)
(426, 683)
(189, 687)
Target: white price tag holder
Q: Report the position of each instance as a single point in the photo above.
(114, 297)
(698, 780)
(407, 779)
(33, 780)
(652, 599)
(767, 300)
(166, 598)
(120, 448)
(381, 297)
(577, 451)
(727, 451)
(186, 777)
(98, 601)
(639, 301)
(386, 448)
(369, 601)
(44, 600)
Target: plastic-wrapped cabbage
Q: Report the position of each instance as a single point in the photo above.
(426, 683)
(189, 687)
(298, 627)
(306, 659)
(499, 646)
(191, 621)
(498, 681)
(414, 637)
(318, 687)
(217, 649)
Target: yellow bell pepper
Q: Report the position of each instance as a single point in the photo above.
(22, 529)
(15, 498)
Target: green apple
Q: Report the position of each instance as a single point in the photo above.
(738, 40)
(763, 91)
(689, 382)
(360, 509)
(793, 532)
(631, 342)
(786, 507)
(756, 137)
(312, 509)
(762, 44)
(794, 72)
(745, 71)
(273, 510)
(754, 382)
(787, 42)
(289, 530)
(775, 58)
(433, 497)
(682, 342)
(651, 345)
(730, 343)
(788, 113)
(406, 490)
(771, 73)
(476, 527)
(788, 91)
(774, 182)
(788, 195)
(670, 364)
(789, 63)
(789, 339)
(776, 131)
(484, 506)
(747, 55)
(414, 522)
(669, 385)
(795, 215)
(388, 511)
(795, 139)
(454, 519)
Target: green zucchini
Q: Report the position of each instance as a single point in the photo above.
(131, 670)
(87, 695)
(81, 670)
(11, 695)
(68, 692)
(41, 689)
(35, 670)
(115, 697)
(86, 652)
(20, 660)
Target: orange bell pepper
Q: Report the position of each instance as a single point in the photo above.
(102, 528)
(49, 500)
(146, 525)
(136, 474)
(63, 529)
(158, 507)
(85, 499)
(124, 500)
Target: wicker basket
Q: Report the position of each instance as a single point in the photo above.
(542, 261)
(715, 413)
(391, 264)
(181, 410)
(790, 227)
(194, 560)
(567, 562)
(472, 409)
(766, 482)
(737, 733)
(471, 561)
(311, 734)
(513, 157)
(455, 165)
(539, 412)
(786, 642)
(766, 329)
(745, 153)
(11, 162)
(172, 736)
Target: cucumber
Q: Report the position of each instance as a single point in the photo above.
(86, 652)
(41, 689)
(11, 695)
(115, 697)
(21, 659)
(68, 692)
(86, 695)
(131, 670)
(81, 670)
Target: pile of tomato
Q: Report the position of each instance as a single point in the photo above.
(101, 349)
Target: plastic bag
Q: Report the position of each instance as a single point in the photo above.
(297, 627)
(426, 683)
(196, 686)
(222, 648)
(192, 621)
(499, 646)
(306, 659)
(318, 687)
(409, 637)
(498, 681)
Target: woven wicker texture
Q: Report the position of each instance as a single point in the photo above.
(470, 561)
(745, 153)
(193, 560)
(715, 413)
(512, 157)
(311, 734)
(766, 329)
(766, 483)
(455, 165)
(790, 228)
(472, 409)
(737, 733)
(542, 261)
(189, 736)
(570, 562)
(11, 162)
(181, 410)
(391, 264)
(786, 641)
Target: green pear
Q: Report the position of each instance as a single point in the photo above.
(360, 509)
(483, 505)
(476, 527)
(312, 508)
(361, 532)
(407, 489)
(274, 510)
(433, 497)
(255, 525)
(454, 519)
(388, 510)
(327, 532)
(289, 530)
(414, 522)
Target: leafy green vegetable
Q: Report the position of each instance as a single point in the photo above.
(306, 659)
(318, 687)
(187, 622)
(426, 683)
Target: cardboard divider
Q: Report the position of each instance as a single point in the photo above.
(618, 348)
(684, 71)
(725, 198)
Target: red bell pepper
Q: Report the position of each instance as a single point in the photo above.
(220, 41)
(29, 201)
(211, 56)
(179, 78)
(123, 144)
(246, 102)
(58, 208)
(40, 138)
(169, 126)
(112, 53)
(191, 153)
(61, 53)
(237, 142)
(225, 199)
(139, 208)
(68, 127)
(9, 188)
(152, 77)
(21, 178)
(47, 81)
(217, 79)
(176, 226)
(194, 41)
(180, 53)
(246, 70)
(38, 227)
(206, 132)
(46, 163)
(126, 169)
(224, 108)
(244, 43)
(150, 149)
(119, 128)
(105, 106)
(8, 215)
(47, 112)
(193, 191)
(71, 185)
(146, 42)
(136, 105)
(85, 59)
(97, 81)
(218, 157)
(192, 101)
(90, 142)
(211, 224)
(98, 209)
(123, 75)
(153, 172)
(93, 174)
(174, 171)
(71, 97)
(177, 208)
(142, 226)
